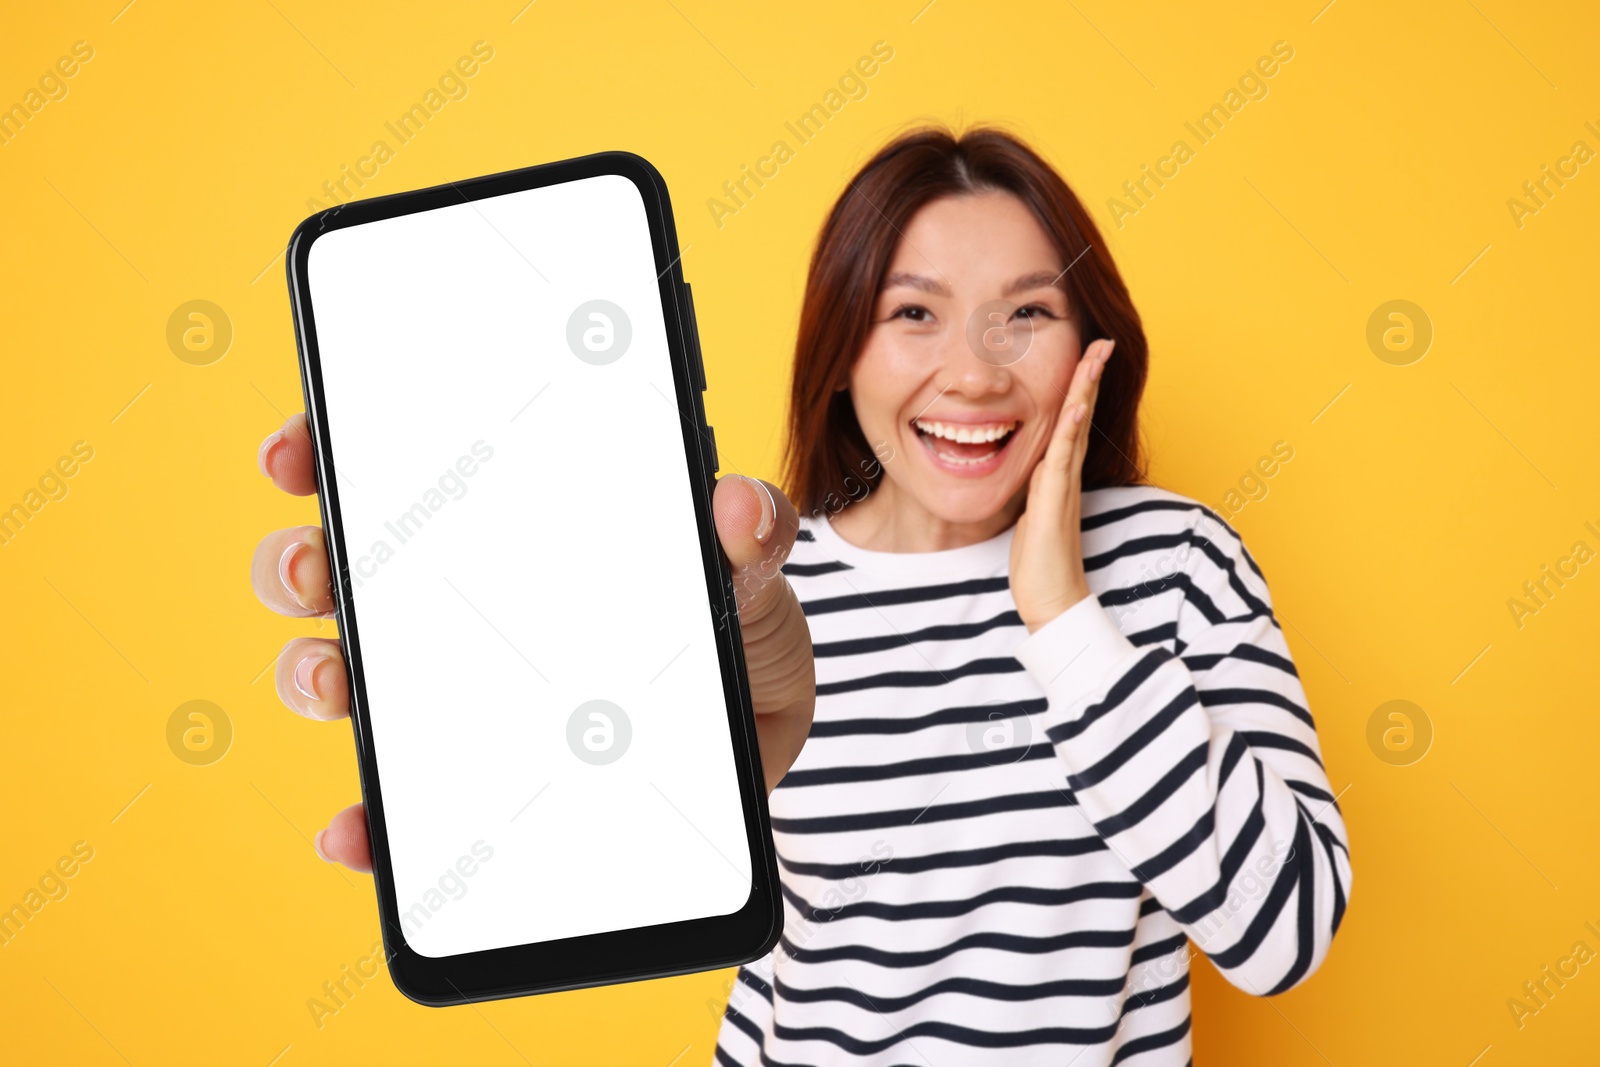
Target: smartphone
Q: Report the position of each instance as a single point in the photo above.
(547, 683)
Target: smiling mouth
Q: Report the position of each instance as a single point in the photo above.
(963, 444)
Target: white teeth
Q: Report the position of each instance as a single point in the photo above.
(963, 434)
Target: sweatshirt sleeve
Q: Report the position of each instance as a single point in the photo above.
(1201, 769)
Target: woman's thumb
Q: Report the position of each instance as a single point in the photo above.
(756, 525)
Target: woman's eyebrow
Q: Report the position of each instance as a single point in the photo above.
(915, 281)
(1039, 279)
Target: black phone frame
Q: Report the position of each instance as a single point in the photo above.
(595, 959)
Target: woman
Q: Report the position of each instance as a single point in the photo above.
(1018, 800)
(1057, 732)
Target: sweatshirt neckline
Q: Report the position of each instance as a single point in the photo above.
(980, 559)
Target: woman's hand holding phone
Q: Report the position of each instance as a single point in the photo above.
(1046, 567)
(755, 522)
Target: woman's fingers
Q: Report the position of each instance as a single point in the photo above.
(345, 840)
(1107, 345)
(1073, 425)
(311, 678)
(290, 573)
(285, 457)
(290, 570)
(756, 525)
(1063, 457)
(1047, 575)
(1091, 394)
(777, 640)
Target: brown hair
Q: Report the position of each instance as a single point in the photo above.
(825, 452)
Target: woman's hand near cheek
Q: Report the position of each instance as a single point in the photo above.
(1047, 574)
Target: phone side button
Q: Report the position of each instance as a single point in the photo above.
(696, 358)
(711, 435)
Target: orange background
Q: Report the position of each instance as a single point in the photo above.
(1419, 499)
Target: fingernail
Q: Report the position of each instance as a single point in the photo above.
(1110, 347)
(266, 450)
(316, 843)
(769, 510)
(305, 676)
(286, 562)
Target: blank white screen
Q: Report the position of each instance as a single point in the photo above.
(523, 541)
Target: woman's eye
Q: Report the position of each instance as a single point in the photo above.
(1034, 311)
(913, 312)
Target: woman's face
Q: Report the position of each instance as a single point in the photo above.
(974, 282)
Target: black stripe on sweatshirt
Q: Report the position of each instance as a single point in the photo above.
(1157, 794)
(813, 570)
(1270, 739)
(989, 939)
(1201, 831)
(960, 1035)
(953, 632)
(755, 982)
(1136, 742)
(749, 1028)
(1136, 546)
(1143, 507)
(1219, 698)
(1244, 842)
(880, 772)
(1003, 1039)
(944, 909)
(1305, 916)
(1167, 631)
(1198, 599)
(970, 987)
(922, 679)
(1325, 835)
(1120, 690)
(1252, 600)
(1263, 921)
(1053, 848)
(1105, 518)
(1243, 651)
(943, 717)
(914, 595)
(966, 809)
(1306, 789)
(1140, 1045)
(1156, 949)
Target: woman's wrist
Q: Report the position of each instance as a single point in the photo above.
(1038, 616)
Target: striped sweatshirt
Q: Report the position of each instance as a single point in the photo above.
(999, 847)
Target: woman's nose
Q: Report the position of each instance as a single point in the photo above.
(976, 355)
